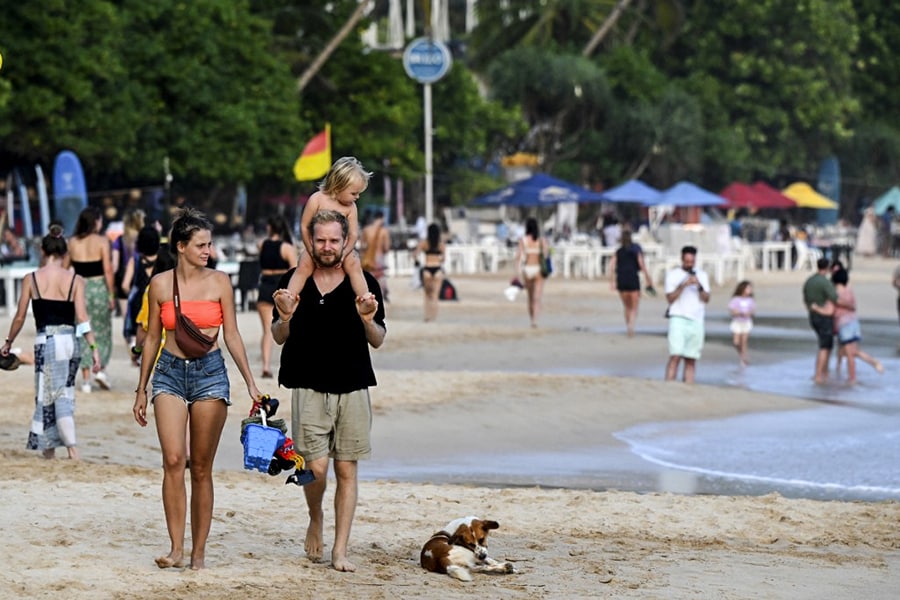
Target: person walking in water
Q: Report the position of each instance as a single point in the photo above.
(742, 306)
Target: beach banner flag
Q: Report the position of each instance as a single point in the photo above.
(69, 190)
(315, 160)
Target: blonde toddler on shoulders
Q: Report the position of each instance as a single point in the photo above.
(338, 191)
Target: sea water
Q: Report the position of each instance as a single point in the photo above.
(845, 445)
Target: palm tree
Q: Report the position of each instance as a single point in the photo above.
(332, 45)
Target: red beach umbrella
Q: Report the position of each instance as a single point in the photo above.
(774, 197)
(741, 195)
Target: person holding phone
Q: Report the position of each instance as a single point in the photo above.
(687, 292)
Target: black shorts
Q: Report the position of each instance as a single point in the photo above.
(824, 328)
(628, 283)
(267, 286)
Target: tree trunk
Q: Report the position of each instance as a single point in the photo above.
(339, 37)
(608, 24)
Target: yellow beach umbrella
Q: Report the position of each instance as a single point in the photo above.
(806, 197)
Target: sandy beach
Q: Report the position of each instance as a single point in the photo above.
(488, 403)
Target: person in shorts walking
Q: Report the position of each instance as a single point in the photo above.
(325, 361)
(687, 292)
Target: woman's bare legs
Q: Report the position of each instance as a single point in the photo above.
(171, 423)
(206, 423)
(869, 359)
(535, 288)
(630, 301)
(266, 310)
(431, 284)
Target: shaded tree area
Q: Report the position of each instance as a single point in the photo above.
(126, 84)
(601, 90)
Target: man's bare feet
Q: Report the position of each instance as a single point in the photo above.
(340, 563)
(170, 561)
(314, 533)
(198, 564)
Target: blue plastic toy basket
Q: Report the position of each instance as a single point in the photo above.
(260, 443)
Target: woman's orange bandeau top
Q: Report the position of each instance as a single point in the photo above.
(204, 313)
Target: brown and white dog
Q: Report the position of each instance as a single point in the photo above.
(461, 547)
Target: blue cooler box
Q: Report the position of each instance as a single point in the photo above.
(260, 443)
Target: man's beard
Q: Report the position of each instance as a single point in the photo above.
(326, 260)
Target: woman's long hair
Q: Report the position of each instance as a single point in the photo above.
(87, 222)
(434, 238)
(531, 228)
(278, 226)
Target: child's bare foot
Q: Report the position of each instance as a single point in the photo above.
(49, 453)
(73, 453)
(313, 545)
(172, 560)
(367, 304)
(340, 563)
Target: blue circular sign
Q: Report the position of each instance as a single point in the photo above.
(426, 60)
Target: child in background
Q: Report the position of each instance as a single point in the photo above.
(339, 191)
(742, 306)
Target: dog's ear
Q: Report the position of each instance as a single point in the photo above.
(488, 525)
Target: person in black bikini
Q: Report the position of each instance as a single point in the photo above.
(432, 272)
(90, 255)
(57, 302)
(277, 255)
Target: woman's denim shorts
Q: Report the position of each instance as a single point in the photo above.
(192, 379)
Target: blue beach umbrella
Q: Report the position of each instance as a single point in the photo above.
(888, 199)
(537, 190)
(685, 193)
(633, 190)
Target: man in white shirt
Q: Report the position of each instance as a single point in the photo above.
(687, 292)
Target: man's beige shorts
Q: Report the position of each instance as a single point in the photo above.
(333, 425)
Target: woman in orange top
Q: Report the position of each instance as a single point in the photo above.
(197, 388)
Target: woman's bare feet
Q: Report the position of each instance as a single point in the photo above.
(172, 560)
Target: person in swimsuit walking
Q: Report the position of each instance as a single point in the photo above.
(90, 256)
(432, 272)
(57, 302)
(190, 393)
(277, 255)
(528, 260)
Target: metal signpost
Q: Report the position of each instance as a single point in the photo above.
(426, 61)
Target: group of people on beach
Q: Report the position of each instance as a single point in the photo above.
(324, 295)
